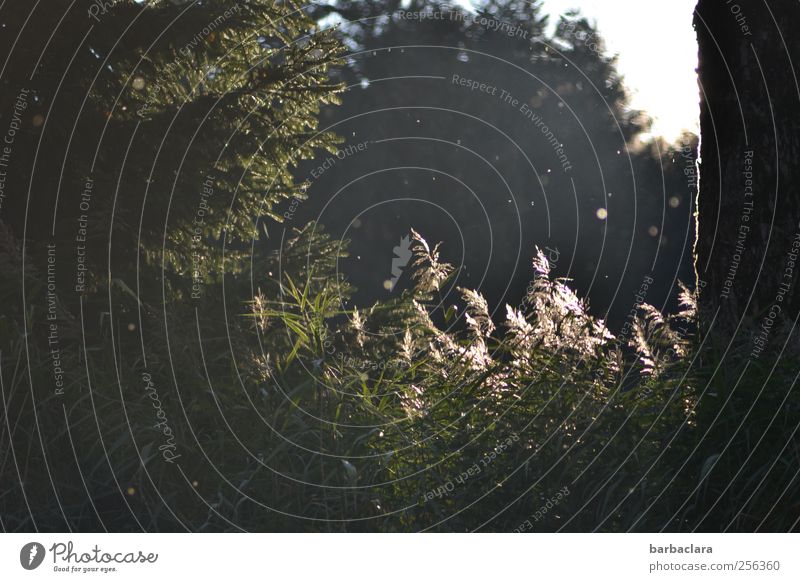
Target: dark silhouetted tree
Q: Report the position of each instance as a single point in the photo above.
(748, 207)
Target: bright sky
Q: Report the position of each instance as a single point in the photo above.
(657, 52)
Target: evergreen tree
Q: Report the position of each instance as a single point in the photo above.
(155, 143)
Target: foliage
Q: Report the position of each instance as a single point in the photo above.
(288, 408)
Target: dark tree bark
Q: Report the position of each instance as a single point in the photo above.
(748, 204)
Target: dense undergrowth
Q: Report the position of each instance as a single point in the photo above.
(410, 415)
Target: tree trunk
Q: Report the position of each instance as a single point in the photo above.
(748, 205)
